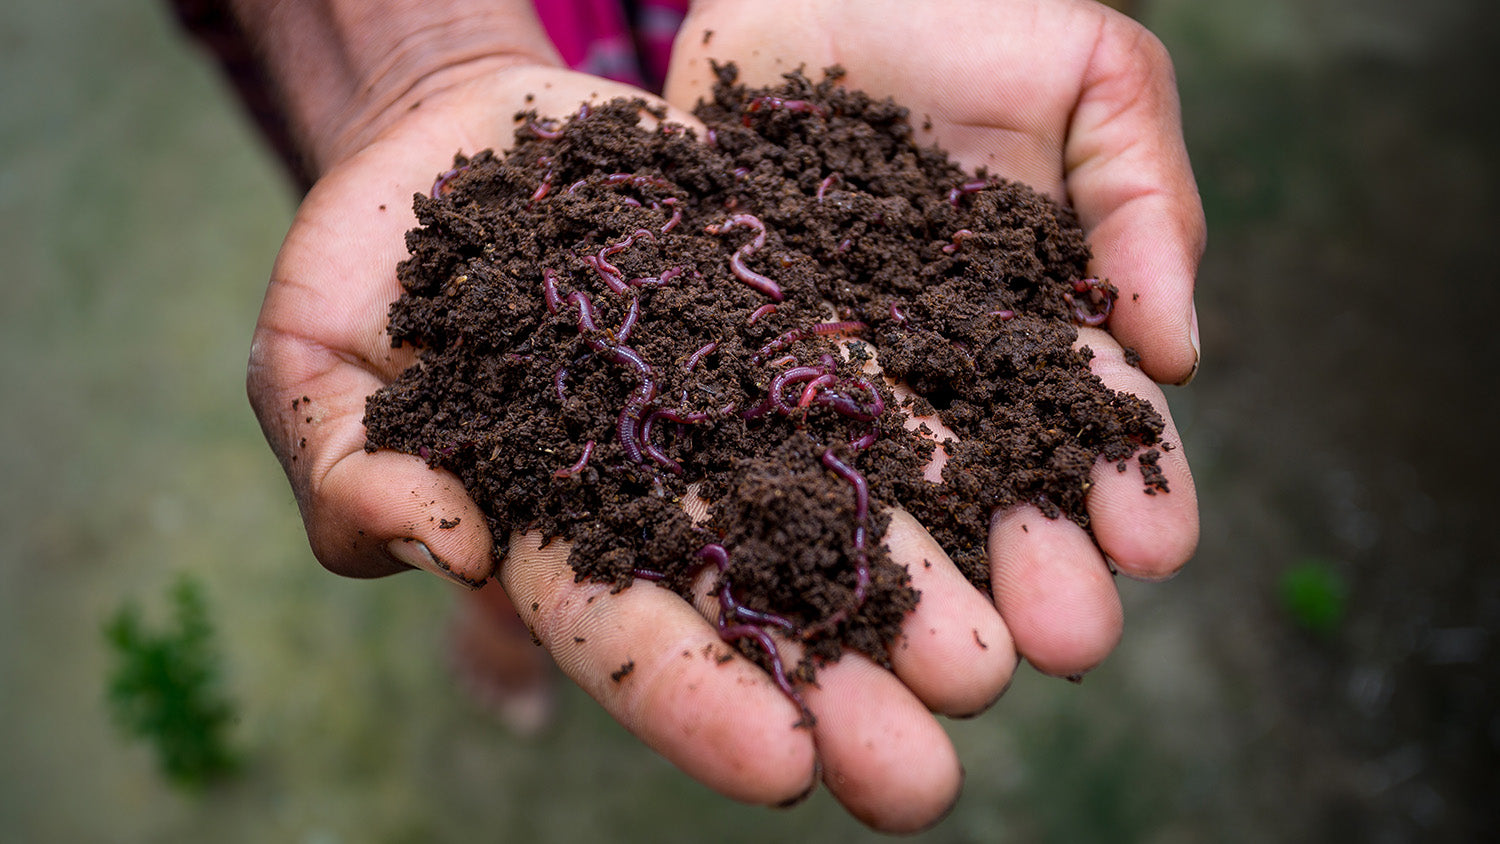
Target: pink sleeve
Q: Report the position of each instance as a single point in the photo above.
(626, 41)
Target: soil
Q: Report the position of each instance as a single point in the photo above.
(600, 338)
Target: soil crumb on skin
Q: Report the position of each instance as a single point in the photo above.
(609, 315)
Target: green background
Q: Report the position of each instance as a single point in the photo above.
(1347, 154)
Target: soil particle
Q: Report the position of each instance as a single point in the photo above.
(623, 671)
(588, 358)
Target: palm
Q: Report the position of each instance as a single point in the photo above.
(322, 335)
(1064, 95)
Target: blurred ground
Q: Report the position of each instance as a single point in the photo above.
(1347, 157)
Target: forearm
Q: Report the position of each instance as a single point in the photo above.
(344, 68)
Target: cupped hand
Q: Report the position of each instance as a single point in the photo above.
(320, 348)
(1079, 102)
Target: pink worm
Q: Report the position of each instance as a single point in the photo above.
(737, 261)
(588, 450)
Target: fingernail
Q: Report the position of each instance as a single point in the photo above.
(1197, 345)
(415, 553)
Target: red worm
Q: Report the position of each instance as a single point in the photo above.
(613, 280)
(588, 451)
(614, 249)
(973, 186)
(542, 189)
(676, 218)
(958, 238)
(546, 132)
(729, 632)
(444, 178)
(627, 324)
(773, 103)
(628, 423)
(1101, 298)
(549, 290)
(737, 260)
(759, 312)
(796, 334)
(695, 357)
(861, 558)
(824, 185)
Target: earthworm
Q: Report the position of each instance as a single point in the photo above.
(824, 185)
(544, 188)
(697, 356)
(958, 238)
(544, 132)
(636, 180)
(796, 334)
(773, 103)
(583, 460)
(792, 375)
(1005, 314)
(897, 314)
(861, 558)
(810, 392)
(613, 280)
(847, 406)
(666, 276)
(549, 290)
(690, 418)
(628, 423)
(973, 186)
(628, 323)
(865, 441)
(737, 260)
(615, 248)
(648, 574)
(756, 629)
(444, 178)
(671, 202)
(560, 383)
(759, 312)
(1100, 296)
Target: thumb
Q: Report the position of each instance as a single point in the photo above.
(1128, 176)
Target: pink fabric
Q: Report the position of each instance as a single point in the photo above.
(628, 41)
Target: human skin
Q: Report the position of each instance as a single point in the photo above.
(1065, 95)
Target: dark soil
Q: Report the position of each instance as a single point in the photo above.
(970, 287)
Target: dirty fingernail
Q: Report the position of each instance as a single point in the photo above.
(415, 553)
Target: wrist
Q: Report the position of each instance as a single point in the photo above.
(346, 69)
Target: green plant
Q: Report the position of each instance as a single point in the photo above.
(165, 689)
(1314, 595)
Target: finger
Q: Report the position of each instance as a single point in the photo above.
(655, 665)
(1147, 533)
(1128, 176)
(883, 755)
(955, 653)
(1054, 591)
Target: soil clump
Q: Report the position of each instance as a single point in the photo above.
(610, 316)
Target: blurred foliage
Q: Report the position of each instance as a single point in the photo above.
(1314, 595)
(165, 689)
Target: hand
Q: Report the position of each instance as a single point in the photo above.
(320, 349)
(1078, 102)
